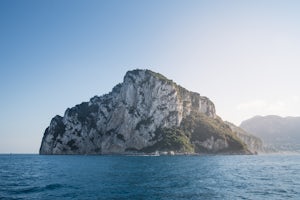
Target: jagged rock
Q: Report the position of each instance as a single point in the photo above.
(254, 144)
(145, 113)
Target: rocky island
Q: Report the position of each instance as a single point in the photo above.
(145, 113)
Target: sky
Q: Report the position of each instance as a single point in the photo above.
(54, 54)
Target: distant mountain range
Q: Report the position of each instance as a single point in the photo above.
(278, 133)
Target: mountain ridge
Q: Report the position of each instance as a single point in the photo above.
(278, 133)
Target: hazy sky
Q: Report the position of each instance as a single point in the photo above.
(243, 55)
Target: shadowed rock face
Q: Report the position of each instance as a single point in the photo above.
(145, 113)
(254, 144)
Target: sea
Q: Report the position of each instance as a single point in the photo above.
(150, 177)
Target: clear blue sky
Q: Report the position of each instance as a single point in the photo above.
(243, 55)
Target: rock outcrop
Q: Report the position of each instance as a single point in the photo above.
(254, 144)
(145, 113)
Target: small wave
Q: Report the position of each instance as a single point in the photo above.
(26, 190)
(9, 198)
(280, 191)
(53, 186)
(37, 189)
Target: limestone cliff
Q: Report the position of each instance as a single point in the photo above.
(145, 113)
(254, 144)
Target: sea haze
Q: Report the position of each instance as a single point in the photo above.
(149, 177)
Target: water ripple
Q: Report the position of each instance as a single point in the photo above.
(163, 178)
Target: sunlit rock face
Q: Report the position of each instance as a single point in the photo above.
(145, 113)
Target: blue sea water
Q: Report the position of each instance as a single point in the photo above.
(148, 177)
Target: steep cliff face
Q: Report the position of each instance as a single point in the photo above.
(254, 144)
(144, 113)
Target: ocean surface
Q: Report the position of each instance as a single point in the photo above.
(150, 177)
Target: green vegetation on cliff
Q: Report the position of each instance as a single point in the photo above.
(170, 139)
(203, 128)
(198, 134)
